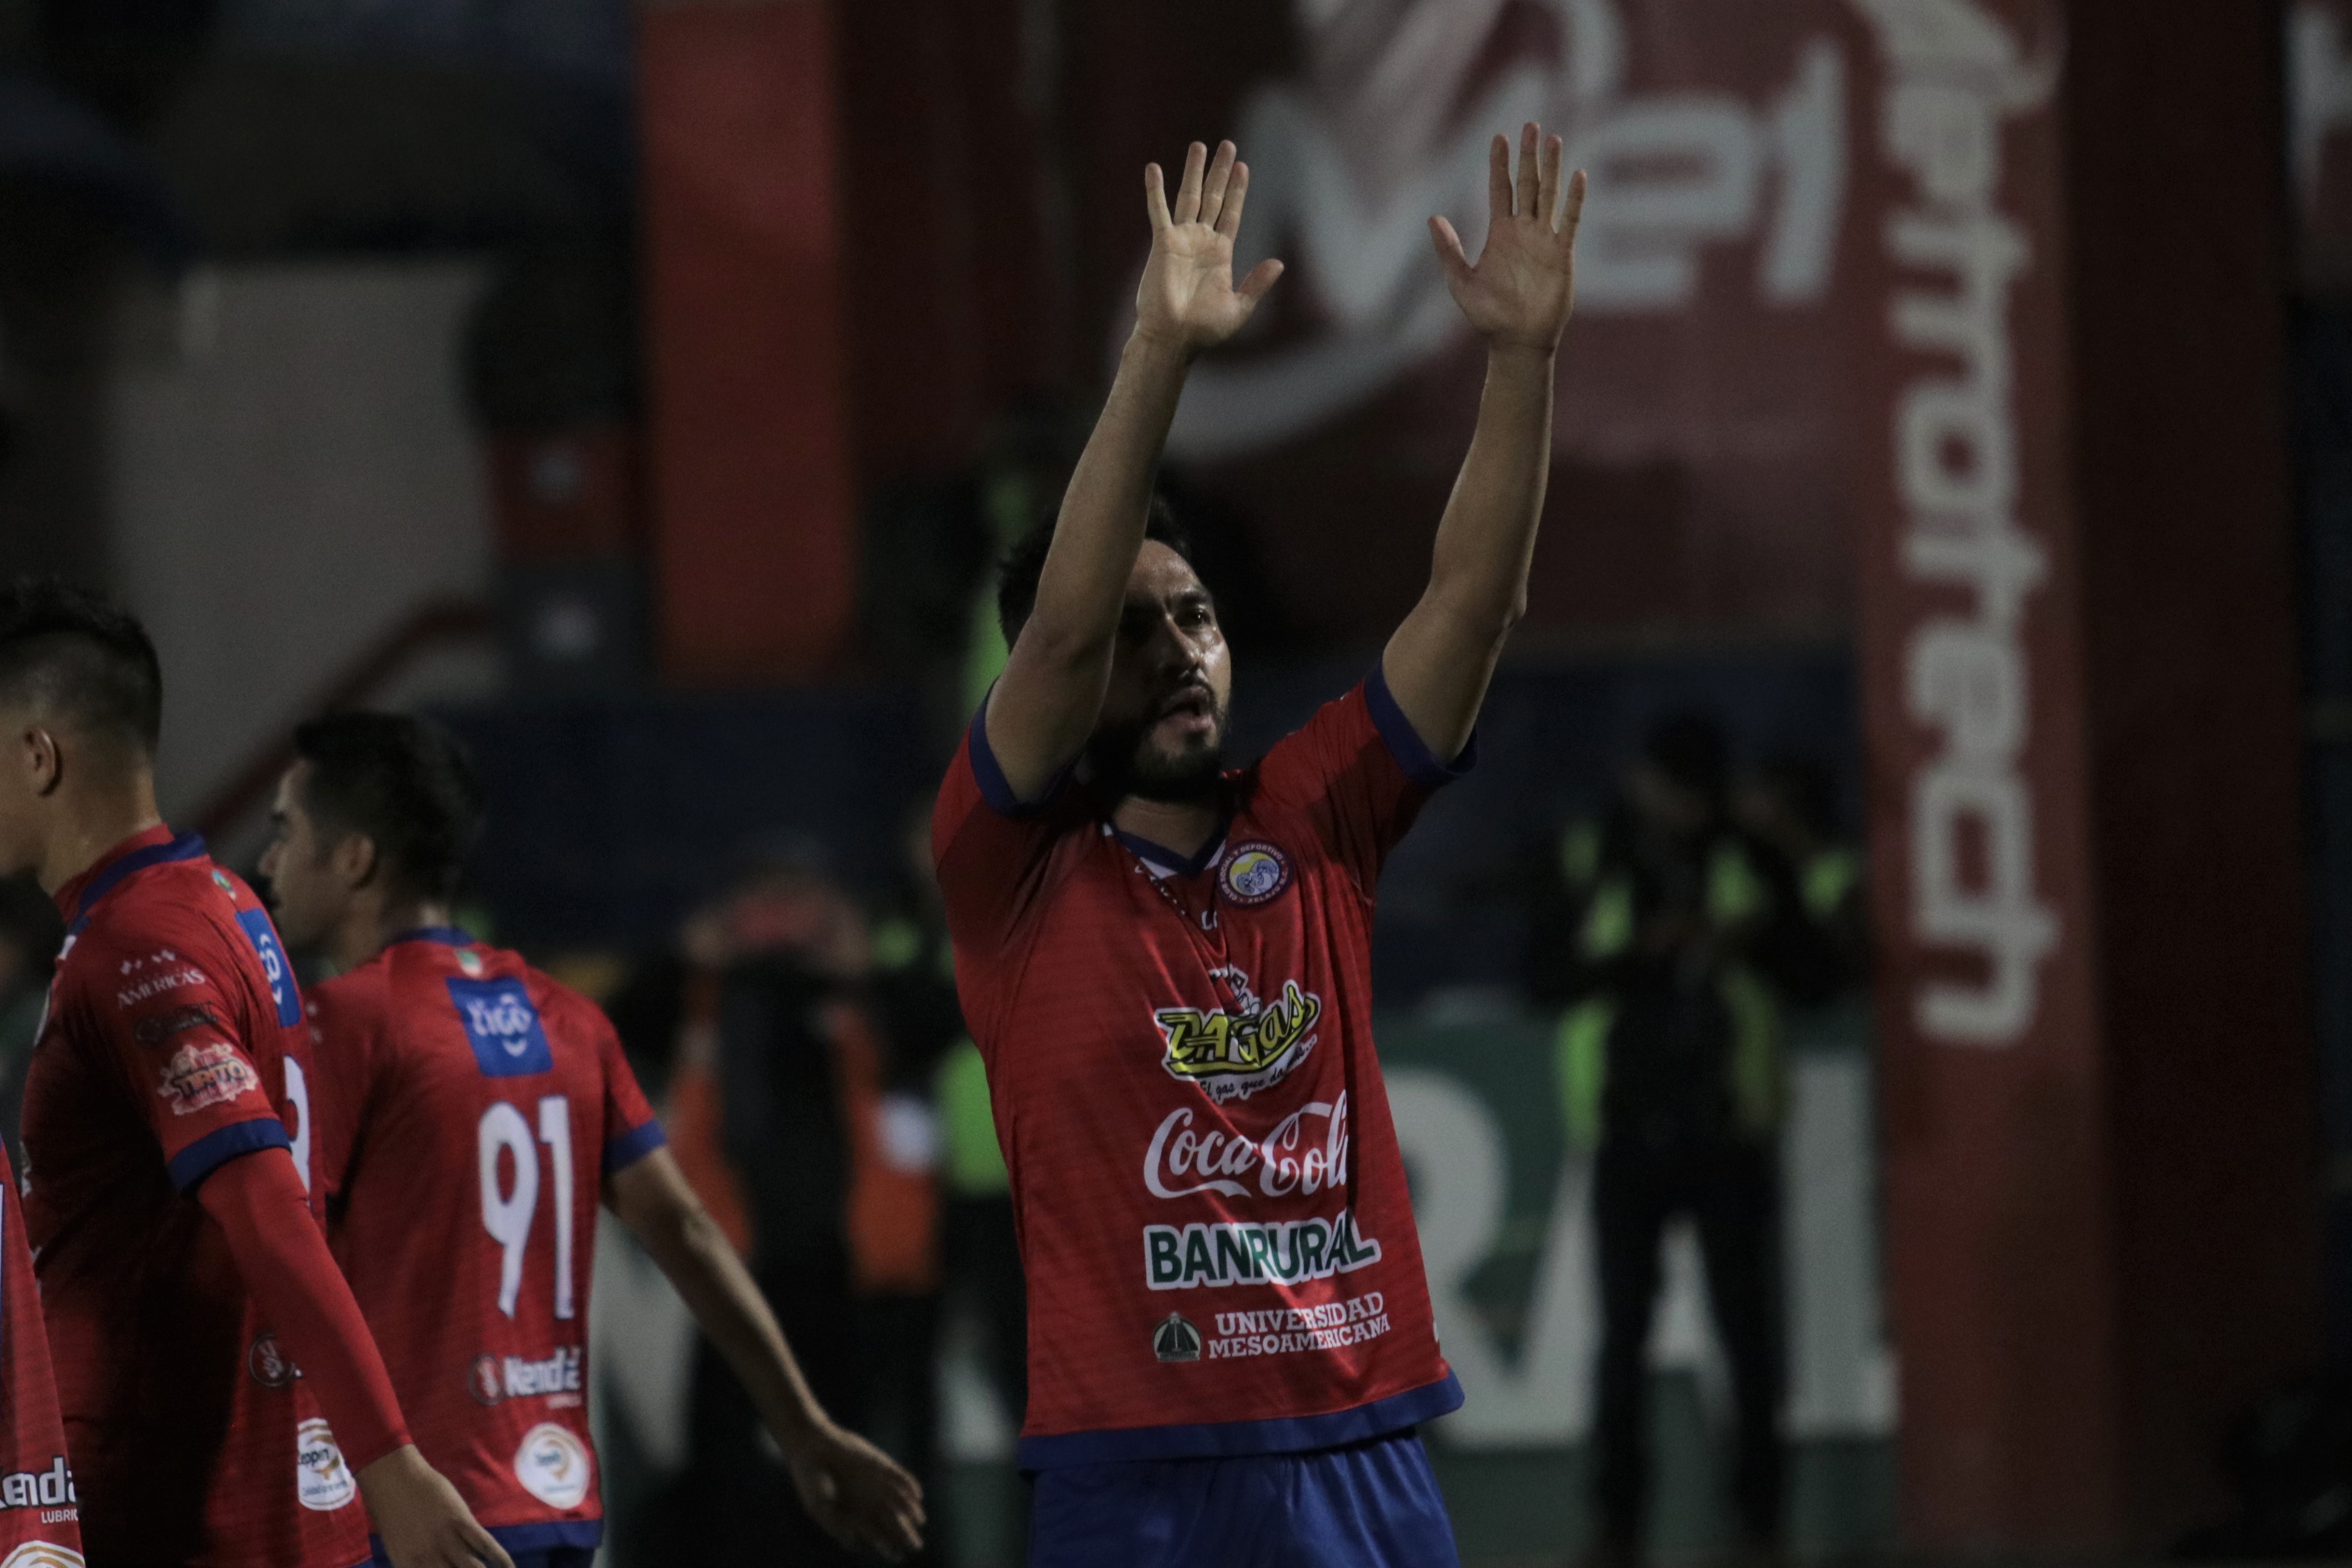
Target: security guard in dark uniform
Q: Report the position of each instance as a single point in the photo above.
(1671, 940)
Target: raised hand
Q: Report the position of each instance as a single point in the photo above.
(1523, 286)
(1186, 297)
(859, 1493)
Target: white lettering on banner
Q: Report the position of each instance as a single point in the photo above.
(1955, 73)
(1346, 165)
(1288, 1160)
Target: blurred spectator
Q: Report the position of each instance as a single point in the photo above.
(29, 934)
(1788, 803)
(778, 1052)
(1671, 940)
(933, 1058)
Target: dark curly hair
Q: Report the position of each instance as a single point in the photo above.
(406, 783)
(1017, 573)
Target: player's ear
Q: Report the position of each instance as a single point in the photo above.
(356, 861)
(38, 759)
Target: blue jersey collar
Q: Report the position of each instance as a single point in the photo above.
(186, 846)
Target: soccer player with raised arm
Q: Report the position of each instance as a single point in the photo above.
(224, 1407)
(472, 1115)
(1167, 964)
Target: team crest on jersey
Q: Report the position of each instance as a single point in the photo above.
(552, 1466)
(269, 1365)
(1176, 1339)
(1233, 1055)
(199, 1077)
(322, 1480)
(1255, 873)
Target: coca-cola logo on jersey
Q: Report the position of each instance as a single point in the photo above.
(1306, 1153)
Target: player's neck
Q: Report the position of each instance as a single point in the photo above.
(1183, 826)
(92, 820)
(369, 927)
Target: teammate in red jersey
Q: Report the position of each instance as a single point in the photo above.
(40, 1511)
(1166, 964)
(184, 1269)
(471, 1115)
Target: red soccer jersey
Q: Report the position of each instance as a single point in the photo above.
(1212, 1210)
(469, 1109)
(38, 1503)
(173, 1044)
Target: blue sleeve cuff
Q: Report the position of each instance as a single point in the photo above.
(208, 1153)
(993, 786)
(1404, 742)
(634, 1146)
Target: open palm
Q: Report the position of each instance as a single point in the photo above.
(1188, 296)
(1523, 286)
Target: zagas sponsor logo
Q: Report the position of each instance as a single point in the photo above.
(1284, 1330)
(1290, 1159)
(322, 1480)
(52, 1488)
(201, 1076)
(1237, 1253)
(494, 1378)
(1234, 1058)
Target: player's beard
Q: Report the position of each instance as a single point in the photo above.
(1123, 760)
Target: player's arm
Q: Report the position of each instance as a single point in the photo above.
(1517, 296)
(1044, 705)
(849, 1486)
(258, 1201)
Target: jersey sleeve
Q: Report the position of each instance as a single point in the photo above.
(178, 1038)
(990, 848)
(632, 1131)
(1360, 768)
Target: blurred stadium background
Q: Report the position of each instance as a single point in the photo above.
(1959, 409)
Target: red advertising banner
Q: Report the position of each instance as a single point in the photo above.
(1702, 484)
(2001, 1276)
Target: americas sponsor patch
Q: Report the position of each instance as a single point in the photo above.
(199, 1077)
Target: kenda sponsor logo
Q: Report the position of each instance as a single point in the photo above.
(1306, 1153)
(52, 1488)
(1285, 1330)
(494, 1378)
(1284, 1253)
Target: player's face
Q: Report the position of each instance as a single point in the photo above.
(306, 894)
(1163, 730)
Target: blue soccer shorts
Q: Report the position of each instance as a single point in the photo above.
(1373, 1504)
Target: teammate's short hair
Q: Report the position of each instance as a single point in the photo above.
(1017, 573)
(404, 781)
(81, 659)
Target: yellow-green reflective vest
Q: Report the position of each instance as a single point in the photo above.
(973, 1165)
(1735, 891)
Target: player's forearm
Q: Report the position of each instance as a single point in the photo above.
(702, 1265)
(1083, 588)
(1440, 660)
(281, 1254)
